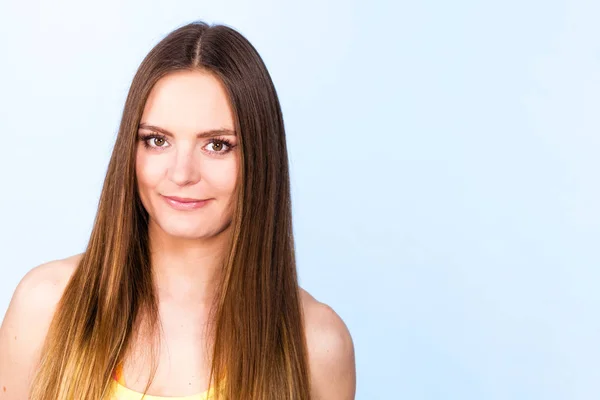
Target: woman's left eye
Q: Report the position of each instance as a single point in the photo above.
(218, 146)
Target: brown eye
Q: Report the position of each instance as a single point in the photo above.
(217, 146)
(154, 141)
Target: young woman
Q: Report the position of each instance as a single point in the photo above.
(188, 284)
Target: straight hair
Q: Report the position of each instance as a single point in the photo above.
(257, 346)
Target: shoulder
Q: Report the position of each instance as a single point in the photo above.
(26, 322)
(41, 288)
(330, 351)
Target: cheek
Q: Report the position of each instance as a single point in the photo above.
(222, 175)
(148, 171)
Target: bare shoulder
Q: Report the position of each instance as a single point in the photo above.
(330, 351)
(41, 288)
(26, 323)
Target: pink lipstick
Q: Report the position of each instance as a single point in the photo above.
(185, 204)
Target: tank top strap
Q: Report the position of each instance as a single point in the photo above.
(118, 374)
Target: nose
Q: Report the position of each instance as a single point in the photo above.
(185, 169)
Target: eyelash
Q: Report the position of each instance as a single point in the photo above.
(145, 138)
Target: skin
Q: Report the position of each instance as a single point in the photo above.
(192, 161)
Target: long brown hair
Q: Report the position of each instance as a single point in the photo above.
(257, 329)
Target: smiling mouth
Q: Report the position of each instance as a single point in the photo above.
(183, 199)
(184, 203)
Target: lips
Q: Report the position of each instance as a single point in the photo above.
(185, 203)
(183, 199)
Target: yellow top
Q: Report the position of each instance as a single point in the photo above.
(121, 392)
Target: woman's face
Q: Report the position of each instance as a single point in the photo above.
(187, 155)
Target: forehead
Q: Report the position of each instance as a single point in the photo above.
(187, 102)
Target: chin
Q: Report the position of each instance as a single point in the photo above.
(187, 230)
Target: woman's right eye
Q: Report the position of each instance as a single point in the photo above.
(153, 141)
(158, 141)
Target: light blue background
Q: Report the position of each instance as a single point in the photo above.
(445, 162)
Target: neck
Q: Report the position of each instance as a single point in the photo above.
(186, 270)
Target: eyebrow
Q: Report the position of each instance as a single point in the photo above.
(199, 135)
